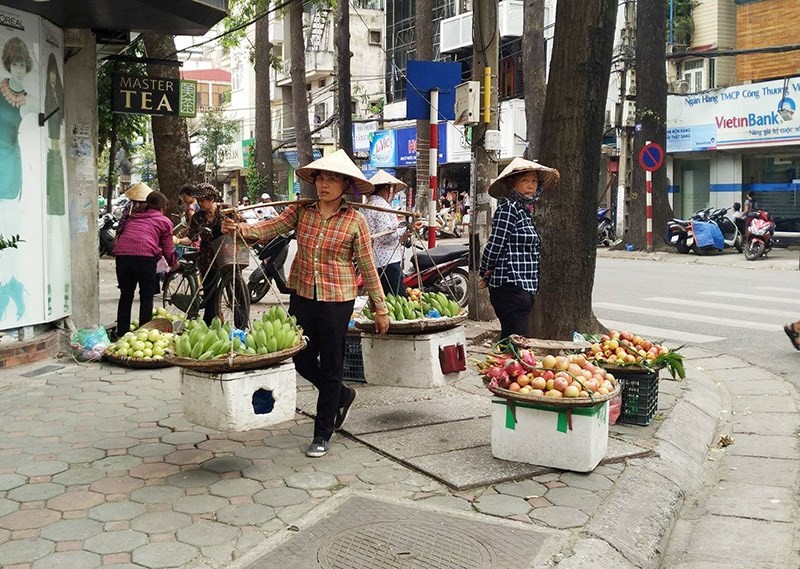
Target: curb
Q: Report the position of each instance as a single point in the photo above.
(632, 527)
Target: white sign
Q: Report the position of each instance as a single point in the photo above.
(229, 156)
(458, 149)
(361, 132)
(745, 116)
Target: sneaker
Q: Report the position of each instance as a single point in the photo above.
(318, 447)
(341, 414)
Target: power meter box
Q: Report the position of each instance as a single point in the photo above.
(468, 103)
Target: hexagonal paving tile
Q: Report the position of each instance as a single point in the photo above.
(28, 519)
(281, 497)
(35, 492)
(193, 478)
(245, 514)
(161, 522)
(71, 530)
(383, 475)
(311, 480)
(286, 441)
(166, 554)
(7, 506)
(501, 505)
(235, 487)
(116, 442)
(9, 481)
(188, 456)
(149, 432)
(577, 498)
(204, 534)
(117, 485)
(115, 542)
(81, 455)
(70, 560)
(201, 504)
(227, 464)
(151, 449)
(183, 438)
(121, 463)
(157, 494)
(154, 470)
(559, 517)
(42, 468)
(24, 551)
(220, 445)
(79, 475)
(116, 511)
(81, 500)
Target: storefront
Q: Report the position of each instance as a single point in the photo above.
(48, 181)
(723, 144)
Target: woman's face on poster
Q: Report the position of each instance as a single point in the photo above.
(18, 70)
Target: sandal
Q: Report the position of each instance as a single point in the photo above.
(793, 334)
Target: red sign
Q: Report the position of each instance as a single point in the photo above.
(651, 157)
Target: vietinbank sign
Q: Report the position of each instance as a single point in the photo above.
(746, 116)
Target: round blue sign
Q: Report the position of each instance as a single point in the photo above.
(651, 157)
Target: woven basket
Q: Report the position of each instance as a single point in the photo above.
(241, 362)
(562, 402)
(418, 326)
(631, 368)
(135, 363)
(160, 324)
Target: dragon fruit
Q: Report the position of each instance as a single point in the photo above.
(528, 358)
(514, 368)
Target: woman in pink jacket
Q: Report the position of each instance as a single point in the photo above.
(145, 237)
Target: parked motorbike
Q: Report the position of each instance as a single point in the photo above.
(730, 232)
(446, 225)
(107, 233)
(272, 257)
(759, 236)
(605, 228)
(680, 234)
(439, 269)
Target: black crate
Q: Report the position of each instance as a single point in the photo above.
(639, 396)
(353, 361)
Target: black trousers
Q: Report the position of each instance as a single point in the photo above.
(133, 270)
(322, 361)
(392, 279)
(210, 292)
(512, 305)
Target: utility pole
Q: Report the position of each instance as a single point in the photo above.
(343, 92)
(483, 169)
(424, 30)
(626, 118)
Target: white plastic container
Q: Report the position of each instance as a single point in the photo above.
(412, 360)
(226, 402)
(559, 437)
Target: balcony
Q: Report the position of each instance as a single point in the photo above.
(319, 64)
(456, 33)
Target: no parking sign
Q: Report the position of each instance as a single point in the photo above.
(651, 157)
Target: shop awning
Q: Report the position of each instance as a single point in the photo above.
(291, 157)
(188, 17)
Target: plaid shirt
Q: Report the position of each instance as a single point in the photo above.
(326, 249)
(512, 253)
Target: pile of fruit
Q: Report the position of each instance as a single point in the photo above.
(553, 376)
(145, 345)
(159, 313)
(418, 305)
(275, 331)
(626, 349)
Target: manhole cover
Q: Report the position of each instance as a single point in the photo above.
(365, 533)
(406, 546)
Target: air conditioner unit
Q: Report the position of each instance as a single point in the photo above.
(677, 48)
(681, 87)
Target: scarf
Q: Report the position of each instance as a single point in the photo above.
(527, 201)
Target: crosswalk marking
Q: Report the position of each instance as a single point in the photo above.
(660, 333)
(756, 297)
(689, 316)
(715, 305)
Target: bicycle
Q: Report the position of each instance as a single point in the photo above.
(183, 289)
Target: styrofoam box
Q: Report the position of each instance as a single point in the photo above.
(566, 438)
(408, 360)
(224, 401)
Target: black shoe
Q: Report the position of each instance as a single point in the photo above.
(341, 414)
(318, 447)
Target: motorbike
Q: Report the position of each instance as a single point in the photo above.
(446, 225)
(680, 234)
(107, 233)
(605, 228)
(272, 257)
(759, 235)
(731, 235)
(439, 269)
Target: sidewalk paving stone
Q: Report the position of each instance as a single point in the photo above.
(68, 560)
(116, 511)
(115, 542)
(28, 519)
(76, 476)
(157, 494)
(245, 514)
(160, 522)
(755, 470)
(160, 555)
(311, 480)
(280, 497)
(35, 492)
(754, 501)
(24, 551)
(207, 533)
(69, 530)
(235, 487)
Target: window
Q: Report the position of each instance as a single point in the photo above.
(320, 114)
(374, 37)
(321, 83)
(693, 74)
(354, 106)
(507, 77)
(368, 4)
(236, 75)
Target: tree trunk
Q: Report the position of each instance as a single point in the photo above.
(297, 70)
(423, 27)
(263, 152)
(343, 93)
(170, 136)
(572, 129)
(534, 63)
(112, 162)
(651, 113)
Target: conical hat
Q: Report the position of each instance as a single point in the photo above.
(382, 177)
(548, 177)
(138, 192)
(338, 162)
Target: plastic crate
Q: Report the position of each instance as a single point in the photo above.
(639, 396)
(353, 361)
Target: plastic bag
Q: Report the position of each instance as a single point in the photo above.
(89, 344)
(614, 409)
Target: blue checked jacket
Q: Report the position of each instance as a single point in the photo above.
(512, 253)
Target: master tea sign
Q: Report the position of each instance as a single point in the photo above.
(143, 95)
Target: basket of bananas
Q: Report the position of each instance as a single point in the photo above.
(417, 313)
